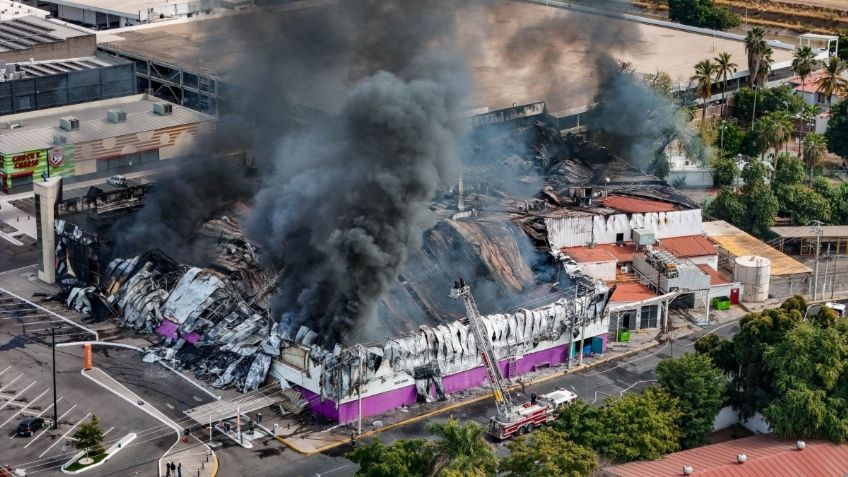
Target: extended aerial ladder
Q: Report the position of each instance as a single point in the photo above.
(503, 400)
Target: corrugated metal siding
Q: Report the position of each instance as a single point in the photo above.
(569, 231)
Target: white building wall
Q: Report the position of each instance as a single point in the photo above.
(599, 270)
(581, 231)
(711, 260)
(569, 231)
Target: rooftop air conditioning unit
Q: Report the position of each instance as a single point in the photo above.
(163, 109)
(116, 116)
(625, 269)
(59, 140)
(15, 125)
(69, 123)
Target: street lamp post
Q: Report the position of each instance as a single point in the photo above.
(55, 411)
(721, 143)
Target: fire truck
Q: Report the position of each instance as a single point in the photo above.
(511, 418)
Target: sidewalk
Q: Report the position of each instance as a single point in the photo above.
(196, 457)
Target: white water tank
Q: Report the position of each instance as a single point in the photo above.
(754, 274)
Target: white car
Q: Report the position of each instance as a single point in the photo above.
(560, 398)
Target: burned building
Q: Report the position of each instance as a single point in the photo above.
(491, 228)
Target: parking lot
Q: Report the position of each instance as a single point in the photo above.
(26, 389)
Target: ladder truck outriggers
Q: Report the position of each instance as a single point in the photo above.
(511, 418)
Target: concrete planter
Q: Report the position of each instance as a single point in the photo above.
(109, 453)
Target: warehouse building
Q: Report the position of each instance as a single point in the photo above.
(101, 137)
(31, 38)
(785, 275)
(104, 14)
(46, 84)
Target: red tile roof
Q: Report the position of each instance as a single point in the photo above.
(689, 246)
(811, 82)
(586, 254)
(716, 278)
(630, 292)
(767, 456)
(634, 205)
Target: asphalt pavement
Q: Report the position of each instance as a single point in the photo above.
(26, 389)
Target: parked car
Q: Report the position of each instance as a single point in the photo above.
(29, 425)
(117, 181)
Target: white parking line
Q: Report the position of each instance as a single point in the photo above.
(7, 368)
(64, 435)
(47, 428)
(18, 394)
(110, 430)
(11, 382)
(21, 410)
(40, 414)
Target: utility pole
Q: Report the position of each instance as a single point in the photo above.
(818, 231)
(55, 411)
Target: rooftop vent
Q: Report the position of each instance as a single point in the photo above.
(163, 109)
(800, 445)
(687, 470)
(741, 458)
(116, 116)
(69, 123)
(15, 125)
(59, 140)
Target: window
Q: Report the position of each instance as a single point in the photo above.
(649, 316)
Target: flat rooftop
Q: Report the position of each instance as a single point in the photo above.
(739, 243)
(38, 127)
(123, 8)
(806, 231)
(28, 31)
(55, 67)
(10, 9)
(203, 43)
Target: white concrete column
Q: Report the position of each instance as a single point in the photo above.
(47, 195)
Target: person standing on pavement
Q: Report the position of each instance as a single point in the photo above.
(174, 468)
(180, 469)
(167, 469)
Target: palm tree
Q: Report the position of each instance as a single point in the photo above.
(815, 147)
(781, 129)
(462, 448)
(832, 83)
(803, 62)
(724, 67)
(705, 74)
(755, 46)
(806, 117)
(765, 66)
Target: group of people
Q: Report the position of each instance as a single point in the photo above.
(172, 469)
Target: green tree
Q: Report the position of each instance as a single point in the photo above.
(724, 172)
(89, 436)
(781, 98)
(700, 388)
(803, 61)
(779, 126)
(754, 174)
(719, 350)
(702, 13)
(837, 130)
(724, 68)
(660, 166)
(705, 73)
(752, 383)
(832, 82)
(839, 205)
(788, 171)
(633, 427)
(461, 450)
(726, 206)
(806, 120)
(802, 204)
(809, 369)
(815, 147)
(660, 82)
(403, 458)
(760, 208)
(545, 453)
(755, 48)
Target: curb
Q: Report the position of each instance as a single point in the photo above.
(466, 402)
